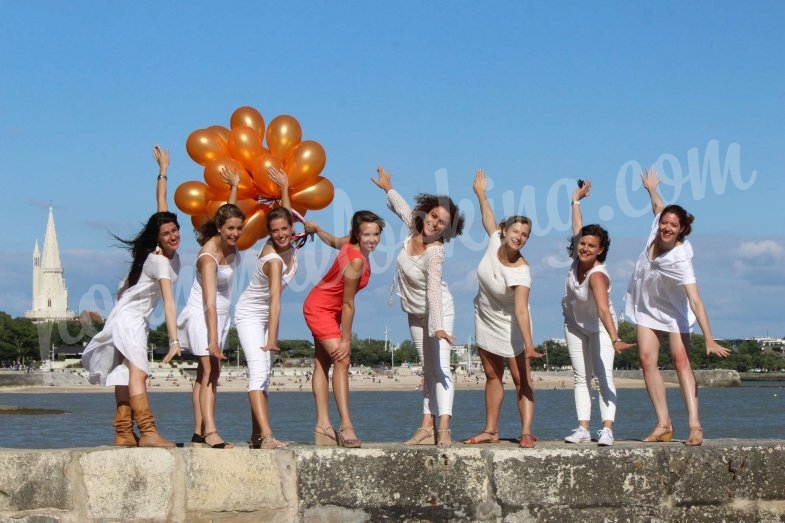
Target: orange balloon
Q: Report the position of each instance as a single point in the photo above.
(222, 131)
(204, 145)
(248, 117)
(304, 164)
(247, 205)
(261, 177)
(191, 197)
(283, 134)
(199, 220)
(245, 145)
(316, 196)
(254, 228)
(212, 175)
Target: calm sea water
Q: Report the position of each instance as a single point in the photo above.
(755, 410)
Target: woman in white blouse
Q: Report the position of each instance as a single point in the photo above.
(427, 300)
(663, 298)
(502, 319)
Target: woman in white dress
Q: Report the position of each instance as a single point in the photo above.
(258, 311)
(502, 319)
(663, 298)
(117, 356)
(427, 300)
(590, 323)
(203, 323)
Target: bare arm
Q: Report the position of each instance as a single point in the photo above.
(524, 321)
(170, 316)
(650, 181)
(209, 271)
(480, 185)
(162, 158)
(351, 281)
(326, 237)
(575, 207)
(280, 179)
(273, 270)
(599, 285)
(696, 304)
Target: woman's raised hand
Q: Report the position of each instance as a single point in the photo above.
(383, 181)
(582, 192)
(480, 184)
(279, 177)
(650, 178)
(162, 158)
(230, 176)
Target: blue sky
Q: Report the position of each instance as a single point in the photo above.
(537, 94)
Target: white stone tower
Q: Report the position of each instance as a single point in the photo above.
(50, 295)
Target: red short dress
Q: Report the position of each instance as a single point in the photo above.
(322, 307)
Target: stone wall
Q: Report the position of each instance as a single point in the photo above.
(725, 480)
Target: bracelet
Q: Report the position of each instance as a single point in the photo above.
(174, 342)
(575, 203)
(617, 340)
(162, 177)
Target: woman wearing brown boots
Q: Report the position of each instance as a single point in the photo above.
(118, 354)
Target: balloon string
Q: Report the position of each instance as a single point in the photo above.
(299, 239)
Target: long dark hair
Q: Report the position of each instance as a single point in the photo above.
(222, 215)
(359, 218)
(685, 219)
(426, 202)
(592, 230)
(145, 243)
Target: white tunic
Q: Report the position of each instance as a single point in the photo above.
(420, 284)
(578, 305)
(124, 336)
(191, 324)
(495, 324)
(656, 297)
(253, 307)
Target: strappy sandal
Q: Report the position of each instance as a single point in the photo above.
(422, 436)
(221, 445)
(322, 438)
(348, 443)
(474, 440)
(696, 437)
(527, 441)
(444, 444)
(267, 442)
(661, 437)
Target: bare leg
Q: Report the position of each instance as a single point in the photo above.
(209, 383)
(341, 390)
(525, 393)
(260, 420)
(195, 395)
(648, 350)
(679, 344)
(320, 385)
(493, 366)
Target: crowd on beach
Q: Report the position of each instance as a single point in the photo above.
(662, 299)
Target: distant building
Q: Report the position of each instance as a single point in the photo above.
(773, 344)
(50, 295)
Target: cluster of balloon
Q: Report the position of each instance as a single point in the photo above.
(242, 148)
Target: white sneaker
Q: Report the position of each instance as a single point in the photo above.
(604, 437)
(579, 435)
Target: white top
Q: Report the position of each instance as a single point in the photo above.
(496, 327)
(254, 303)
(579, 305)
(125, 332)
(420, 284)
(656, 297)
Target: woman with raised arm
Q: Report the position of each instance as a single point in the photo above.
(590, 323)
(663, 298)
(426, 299)
(258, 311)
(502, 319)
(203, 323)
(118, 354)
(329, 313)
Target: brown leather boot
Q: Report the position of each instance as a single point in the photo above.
(149, 436)
(124, 427)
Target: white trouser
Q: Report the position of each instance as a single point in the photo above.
(253, 336)
(438, 390)
(592, 355)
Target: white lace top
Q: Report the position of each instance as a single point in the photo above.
(420, 284)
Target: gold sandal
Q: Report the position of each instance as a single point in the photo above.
(444, 444)
(427, 437)
(348, 443)
(662, 437)
(322, 438)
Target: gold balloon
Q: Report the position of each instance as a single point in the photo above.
(198, 220)
(316, 196)
(245, 145)
(204, 145)
(191, 197)
(283, 134)
(248, 117)
(261, 177)
(254, 228)
(212, 175)
(304, 163)
(222, 131)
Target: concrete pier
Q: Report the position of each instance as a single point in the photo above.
(724, 480)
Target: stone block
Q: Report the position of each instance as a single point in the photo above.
(391, 481)
(35, 479)
(128, 483)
